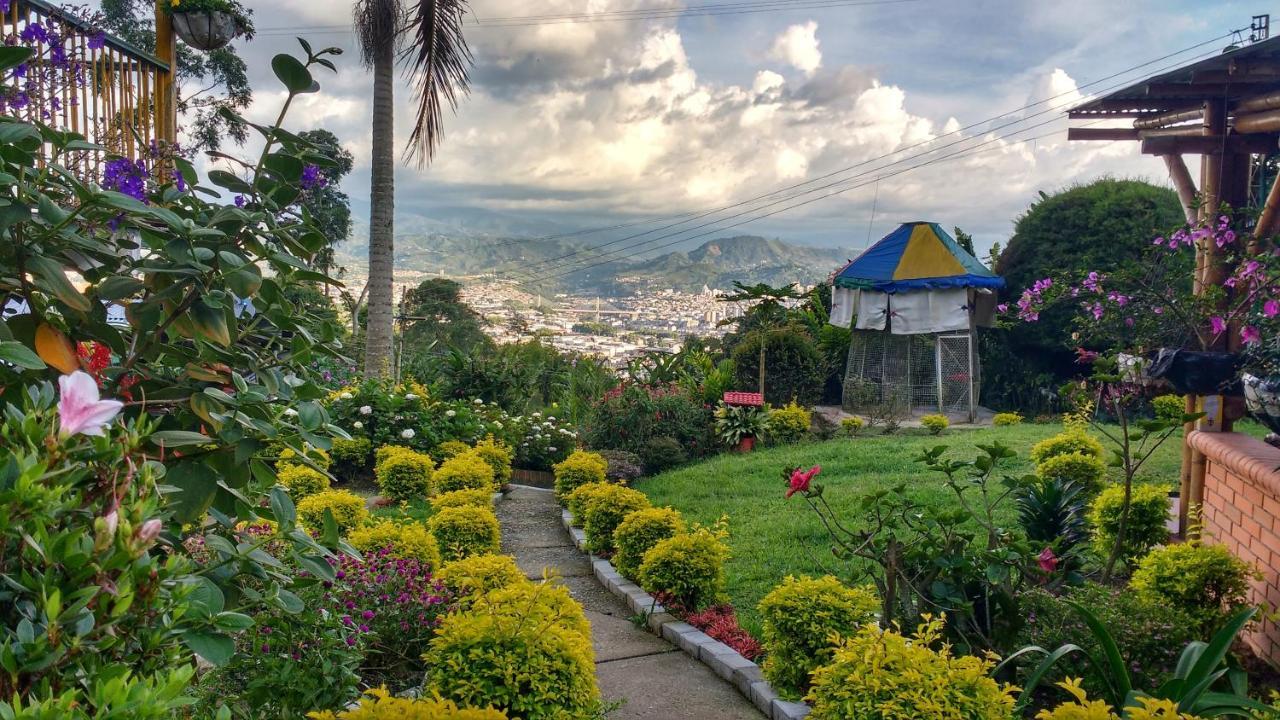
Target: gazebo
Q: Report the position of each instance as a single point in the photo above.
(914, 301)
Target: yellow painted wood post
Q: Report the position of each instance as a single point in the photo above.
(166, 90)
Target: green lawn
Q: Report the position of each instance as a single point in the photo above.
(771, 537)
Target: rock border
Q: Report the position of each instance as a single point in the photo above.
(722, 659)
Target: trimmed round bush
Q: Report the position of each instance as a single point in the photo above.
(302, 481)
(882, 675)
(789, 423)
(623, 466)
(466, 471)
(1086, 471)
(404, 476)
(935, 424)
(576, 502)
(349, 511)
(639, 532)
(410, 540)
(498, 659)
(1206, 581)
(800, 618)
(478, 574)
(1169, 407)
(605, 510)
(689, 568)
(1007, 419)
(1146, 528)
(1075, 440)
(662, 453)
(318, 457)
(449, 449)
(580, 468)
(851, 426)
(386, 451)
(465, 531)
(350, 457)
(499, 455)
(460, 498)
(542, 603)
(381, 705)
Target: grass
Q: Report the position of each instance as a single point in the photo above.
(771, 537)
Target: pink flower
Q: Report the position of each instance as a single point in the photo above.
(800, 479)
(1048, 561)
(79, 409)
(1271, 308)
(1250, 335)
(149, 531)
(1218, 325)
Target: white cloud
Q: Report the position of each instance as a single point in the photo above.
(798, 47)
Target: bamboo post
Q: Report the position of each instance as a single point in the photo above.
(166, 89)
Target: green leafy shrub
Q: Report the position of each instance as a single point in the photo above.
(381, 705)
(460, 498)
(789, 423)
(580, 468)
(494, 657)
(604, 510)
(1169, 407)
(302, 481)
(478, 574)
(1007, 419)
(1087, 472)
(852, 426)
(688, 567)
(449, 449)
(1146, 528)
(662, 453)
(623, 466)
(1206, 581)
(576, 502)
(499, 455)
(349, 511)
(1073, 440)
(350, 457)
(935, 424)
(628, 418)
(638, 532)
(407, 539)
(540, 603)
(465, 531)
(404, 476)
(882, 675)
(800, 618)
(467, 471)
(794, 368)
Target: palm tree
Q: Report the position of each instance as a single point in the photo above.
(434, 56)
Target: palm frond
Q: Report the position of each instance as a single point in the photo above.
(377, 25)
(437, 61)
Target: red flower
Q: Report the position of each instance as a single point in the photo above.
(800, 479)
(1048, 561)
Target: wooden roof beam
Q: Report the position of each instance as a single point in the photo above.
(1104, 134)
(1210, 145)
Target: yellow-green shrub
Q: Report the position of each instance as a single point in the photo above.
(348, 510)
(465, 531)
(387, 451)
(478, 574)
(1086, 471)
(789, 423)
(318, 457)
(689, 567)
(404, 476)
(403, 539)
(488, 657)
(576, 502)
(1006, 419)
(449, 449)
(881, 675)
(541, 603)
(1207, 581)
(1146, 528)
(640, 531)
(350, 457)
(381, 705)
(1169, 407)
(465, 471)
(605, 510)
(852, 426)
(580, 468)
(459, 498)
(1082, 708)
(1073, 440)
(800, 618)
(499, 455)
(935, 424)
(301, 480)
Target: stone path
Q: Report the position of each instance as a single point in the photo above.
(654, 679)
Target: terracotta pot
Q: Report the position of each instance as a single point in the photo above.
(206, 30)
(746, 444)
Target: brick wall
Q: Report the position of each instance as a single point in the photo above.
(1242, 512)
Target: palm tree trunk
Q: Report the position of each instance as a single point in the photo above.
(378, 331)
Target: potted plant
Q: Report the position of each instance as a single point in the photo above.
(209, 24)
(738, 426)
(1261, 380)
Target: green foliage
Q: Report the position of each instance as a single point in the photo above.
(1082, 708)
(935, 424)
(662, 453)
(351, 457)
(804, 619)
(347, 508)
(465, 531)
(1146, 525)
(450, 449)
(582, 496)
(537, 602)
(789, 423)
(736, 422)
(311, 456)
(1051, 513)
(851, 426)
(403, 539)
(623, 466)
(1006, 419)
(1206, 581)
(1086, 471)
(605, 510)
(438, 321)
(1072, 440)
(882, 675)
(460, 498)
(688, 567)
(404, 475)
(328, 204)
(467, 471)
(794, 370)
(1169, 407)
(627, 419)
(498, 455)
(578, 469)
(302, 481)
(638, 532)
(381, 705)
(478, 574)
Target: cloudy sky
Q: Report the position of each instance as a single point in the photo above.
(579, 125)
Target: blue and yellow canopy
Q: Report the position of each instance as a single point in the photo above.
(918, 255)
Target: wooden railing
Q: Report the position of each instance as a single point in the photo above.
(85, 81)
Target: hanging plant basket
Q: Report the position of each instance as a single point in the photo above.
(1262, 399)
(1192, 372)
(206, 29)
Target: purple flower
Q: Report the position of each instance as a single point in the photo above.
(35, 32)
(126, 176)
(97, 41)
(239, 201)
(311, 178)
(1218, 325)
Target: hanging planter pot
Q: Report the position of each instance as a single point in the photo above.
(1262, 400)
(1193, 372)
(206, 29)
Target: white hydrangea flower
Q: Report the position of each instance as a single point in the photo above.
(551, 449)
(478, 401)
(450, 413)
(366, 410)
(357, 424)
(407, 433)
(346, 396)
(497, 425)
(552, 418)
(291, 412)
(410, 396)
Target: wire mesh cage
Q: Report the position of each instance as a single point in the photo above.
(898, 376)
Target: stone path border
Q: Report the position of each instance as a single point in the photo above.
(722, 659)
